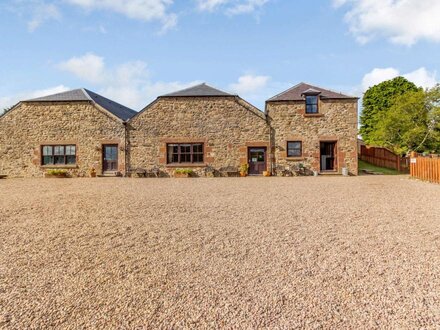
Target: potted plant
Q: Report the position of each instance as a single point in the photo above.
(209, 171)
(56, 174)
(183, 173)
(92, 172)
(266, 173)
(244, 170)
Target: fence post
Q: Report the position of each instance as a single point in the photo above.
(411, 164)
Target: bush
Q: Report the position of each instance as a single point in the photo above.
(184, 171)
(57, 172)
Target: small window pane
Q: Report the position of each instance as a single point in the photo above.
(185, 148)
(185, 158)
(70, 150)
(47, 160)
(311, 104)
(58, 150)
(47, 151)
(71, 160)
(59, 160)
(294, 149)
(198, 158)
(197, 148)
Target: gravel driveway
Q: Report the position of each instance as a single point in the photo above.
(359, 252)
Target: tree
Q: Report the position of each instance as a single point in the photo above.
(377, 100)
(412, 123)
(6, 110)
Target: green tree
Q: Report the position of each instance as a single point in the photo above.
(377, 100)
(412, 123)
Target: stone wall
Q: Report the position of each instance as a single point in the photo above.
(336, 121)
(28, 126)
(226, 125)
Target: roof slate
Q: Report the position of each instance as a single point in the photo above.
(296, 93)
(82, 94)
(198, 90)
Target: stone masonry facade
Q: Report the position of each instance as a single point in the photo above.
(226, 126)
(336, 121)
(29, 126)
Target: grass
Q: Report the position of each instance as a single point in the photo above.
(367, 166)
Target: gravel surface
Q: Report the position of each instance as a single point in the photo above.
(359, 252)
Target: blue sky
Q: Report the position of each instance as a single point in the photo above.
(134, 50)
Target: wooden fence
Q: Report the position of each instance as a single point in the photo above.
(425, 168)
(384, 158)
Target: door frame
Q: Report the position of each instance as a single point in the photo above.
(249, 158)
(335, 154)
(103, 156)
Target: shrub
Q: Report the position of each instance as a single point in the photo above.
(57, 172)
(244, 168)
(184, 171)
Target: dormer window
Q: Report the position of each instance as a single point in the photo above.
(311, 104)
(311, 97)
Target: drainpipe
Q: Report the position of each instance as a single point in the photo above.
(126, 147)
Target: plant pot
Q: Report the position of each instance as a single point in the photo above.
(242, 174)
(181, 175)
(93, 174)
(56, 176)
(266, 173)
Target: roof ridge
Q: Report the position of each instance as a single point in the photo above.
(185, 89)
(86, 93)
(287, 90)
(202, 89)
(330, 90)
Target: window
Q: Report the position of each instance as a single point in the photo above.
(312, 104)
(294, 149)
(184, 153)
(58, 155)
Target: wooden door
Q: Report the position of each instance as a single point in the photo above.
(257, 161)
(110, 157)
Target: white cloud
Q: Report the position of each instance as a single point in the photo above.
(145, 10)
(421, 77)
(89, 67)
(401, 21)
(43, 12)
(8, 101)
(378, 75)
(248, 84)
(231, 7)
(35, 12)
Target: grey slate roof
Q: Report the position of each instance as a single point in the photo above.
(198, 90)
(82, 94)
(296, 93)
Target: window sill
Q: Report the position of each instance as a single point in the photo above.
(59, 166)
(180, 165)
(294, 158)
(313, 115)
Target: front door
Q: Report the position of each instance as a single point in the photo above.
(328, 156)
(257, 161)
(110, 157)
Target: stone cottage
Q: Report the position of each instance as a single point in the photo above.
(198, 127)
(314, 127)
(76, 130)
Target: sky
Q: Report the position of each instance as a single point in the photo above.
(132, 51)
